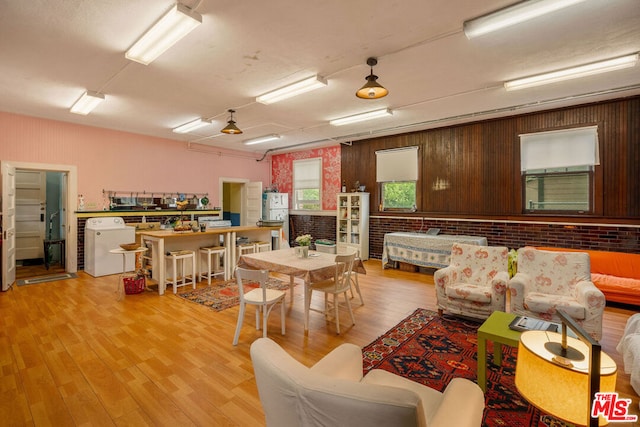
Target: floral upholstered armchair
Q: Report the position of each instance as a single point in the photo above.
(475, 282)
(548, 280)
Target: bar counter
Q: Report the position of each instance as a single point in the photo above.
(163, 241)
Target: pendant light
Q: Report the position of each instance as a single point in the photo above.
(372, 89)
(231, 127)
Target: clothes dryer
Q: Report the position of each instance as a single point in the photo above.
(100, 236)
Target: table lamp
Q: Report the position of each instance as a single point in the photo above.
(560, 375)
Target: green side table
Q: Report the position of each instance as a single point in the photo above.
(495, 329)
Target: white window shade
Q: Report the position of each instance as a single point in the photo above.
(400, 164)
(306, 173)
(559, 149)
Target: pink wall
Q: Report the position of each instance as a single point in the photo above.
(282, 172)
(122, 161)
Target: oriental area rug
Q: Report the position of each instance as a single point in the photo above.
(222, 295)
(432, 350)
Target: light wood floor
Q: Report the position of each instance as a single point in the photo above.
(71, 354)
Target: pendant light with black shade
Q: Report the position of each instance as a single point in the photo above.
(372, 89)
(231, 127)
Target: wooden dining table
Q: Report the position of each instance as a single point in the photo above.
(318, 266)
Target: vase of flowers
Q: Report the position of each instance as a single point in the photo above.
(304, 242)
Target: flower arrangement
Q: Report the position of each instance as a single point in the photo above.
(304, 240)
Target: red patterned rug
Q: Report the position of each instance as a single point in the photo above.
(222, 295)
(432, 350)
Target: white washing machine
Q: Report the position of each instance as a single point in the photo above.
(100, 236)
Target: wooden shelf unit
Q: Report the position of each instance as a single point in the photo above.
(352, 226)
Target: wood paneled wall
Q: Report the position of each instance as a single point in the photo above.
(474, 169)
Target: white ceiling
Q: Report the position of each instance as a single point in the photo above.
(52, 51)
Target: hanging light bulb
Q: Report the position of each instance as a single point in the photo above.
(231, 127)
(372, 89)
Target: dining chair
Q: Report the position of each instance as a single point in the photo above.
(263, 298)
(339, 284)
(354, 276)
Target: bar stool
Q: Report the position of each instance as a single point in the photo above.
(245, 248)
(263, 246)
(215, 254)
(183, 257)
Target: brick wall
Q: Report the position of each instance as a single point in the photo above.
(620, 238)
(319, 226)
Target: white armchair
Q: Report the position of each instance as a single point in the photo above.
(547, 280)
(475, 282)
(334, 392)
(629, 348)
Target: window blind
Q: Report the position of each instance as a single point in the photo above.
(557, 149)
(399, 164)
(306, 173)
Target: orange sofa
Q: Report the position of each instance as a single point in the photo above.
(616, 274)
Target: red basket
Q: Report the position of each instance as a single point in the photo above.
(134, 284)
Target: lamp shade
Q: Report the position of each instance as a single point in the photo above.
(559, 390)
(372, 89)
(231, 128)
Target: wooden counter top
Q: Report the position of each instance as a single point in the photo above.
(214, 230)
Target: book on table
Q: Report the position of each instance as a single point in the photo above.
(523, 323)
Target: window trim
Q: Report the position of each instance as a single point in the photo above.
(415, 197)
(589, 211)
(295, 189)
(556, 149)
(400, 164)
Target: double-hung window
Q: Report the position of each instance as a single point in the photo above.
(307, 184)
(397, 175)
(557, 170)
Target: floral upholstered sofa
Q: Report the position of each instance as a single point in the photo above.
(547, 280)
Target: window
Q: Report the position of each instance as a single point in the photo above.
(307, 187)
(557, 170)
(397, 174)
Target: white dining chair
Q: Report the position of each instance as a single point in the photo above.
(355, 283)
(262, 297)
(340, 283)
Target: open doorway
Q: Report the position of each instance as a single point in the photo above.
(43, 218)
(241, 200)
(40, 231)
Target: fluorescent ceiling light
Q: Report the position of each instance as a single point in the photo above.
(573, 73)
(173, 26)
(519, 12)
(192, 125)
(361, 117)
(261, 139)
(292, 90)
(87, 102)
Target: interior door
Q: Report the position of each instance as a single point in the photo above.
(30, 199)
(8, 225)
(252, 203)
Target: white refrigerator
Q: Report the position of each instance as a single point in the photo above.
(275, 207)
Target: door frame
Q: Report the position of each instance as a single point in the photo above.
(243, 200)
(71, 232)
(225, 180)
